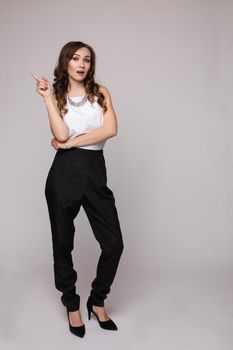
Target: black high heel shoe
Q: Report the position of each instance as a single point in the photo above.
(109, 324)
(79, 330)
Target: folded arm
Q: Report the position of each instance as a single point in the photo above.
(92, 137)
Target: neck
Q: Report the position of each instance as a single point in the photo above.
(75, 88)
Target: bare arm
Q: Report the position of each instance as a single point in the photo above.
(106, 131)
(90, 138)
(58, 127)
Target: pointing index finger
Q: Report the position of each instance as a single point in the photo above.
(36, 77)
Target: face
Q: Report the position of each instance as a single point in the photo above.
(79, 64)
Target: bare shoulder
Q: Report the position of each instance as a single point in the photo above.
(106, 92)
(110, 119)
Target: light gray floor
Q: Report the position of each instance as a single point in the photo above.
(159, 310)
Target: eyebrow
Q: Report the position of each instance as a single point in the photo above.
(79, 55)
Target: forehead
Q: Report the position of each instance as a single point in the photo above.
(83, 51)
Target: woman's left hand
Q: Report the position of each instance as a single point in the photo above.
(56, 144)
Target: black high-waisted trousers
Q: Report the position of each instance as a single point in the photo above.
(78, 177)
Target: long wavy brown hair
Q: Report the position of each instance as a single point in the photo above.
(60, 83)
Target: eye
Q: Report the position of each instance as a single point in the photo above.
(88, 61)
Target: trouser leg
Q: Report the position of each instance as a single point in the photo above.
(99, 205)
(62, 210)
(65, 276)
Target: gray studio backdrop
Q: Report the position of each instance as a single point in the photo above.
(168, 67)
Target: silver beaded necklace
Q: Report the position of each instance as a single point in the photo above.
(79, 103)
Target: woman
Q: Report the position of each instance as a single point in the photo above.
(81, 118)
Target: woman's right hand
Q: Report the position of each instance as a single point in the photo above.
(43, 86)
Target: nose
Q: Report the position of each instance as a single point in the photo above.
(81, 65)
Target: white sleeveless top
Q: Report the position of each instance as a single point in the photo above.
(83, 119)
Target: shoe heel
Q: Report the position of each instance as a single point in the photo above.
(89, 311)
